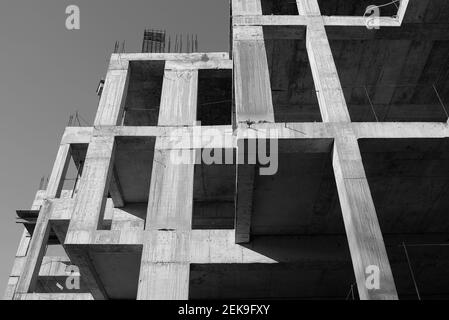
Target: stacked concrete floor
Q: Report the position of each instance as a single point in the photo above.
(361, 189)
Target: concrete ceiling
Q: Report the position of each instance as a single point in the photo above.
(301, 198)
(307, 280)
(118, 272)
(394, 70)
(409, 182)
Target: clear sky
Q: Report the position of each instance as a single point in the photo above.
(48, 73)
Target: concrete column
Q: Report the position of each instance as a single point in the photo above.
(16, 274)
(362, 226)
(22, 252)
(244, 202)
(327, 83)
(179, 97)
(165, 266)
(93, 190)
(36, 250)
(88, 210)
(359, 214)
(113, 98)
(308, 7)
(246, 7)
(253, 98)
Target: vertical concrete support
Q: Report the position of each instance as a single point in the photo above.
(308, 7)
(165, 266)
(20, 257)
(402, 10)
(22, 252)
(253, 97)
(246, 7)
(244, 202)
(113, 98)
(116, 190)
(88, 210)
(179, 97)
(36, 249)
(93, 190)
(327, 83)
(359, 214)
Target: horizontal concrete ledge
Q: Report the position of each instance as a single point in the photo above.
(293, 20)
(198, 65)
(51, 267)
(305, 130)
(196, 56)
(359, 21)
(53, 296)
(361, 130)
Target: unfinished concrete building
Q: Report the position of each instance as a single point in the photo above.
(358, 208)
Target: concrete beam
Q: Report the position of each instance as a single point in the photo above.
(203, 64)
(55, 296)
(121, 61)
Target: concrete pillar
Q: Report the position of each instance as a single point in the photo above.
(179, 97)
(93, 190)
(244, 202)
(36, 250)
(359, 214)
(113, 98)
(20, 257)
(325, 75)
(88, 210)
(253, 99)
(362, 226)
(246, 7)
(165, 266)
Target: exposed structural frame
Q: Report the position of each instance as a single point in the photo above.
(168, 243)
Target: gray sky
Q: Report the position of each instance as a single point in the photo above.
(48, 72)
